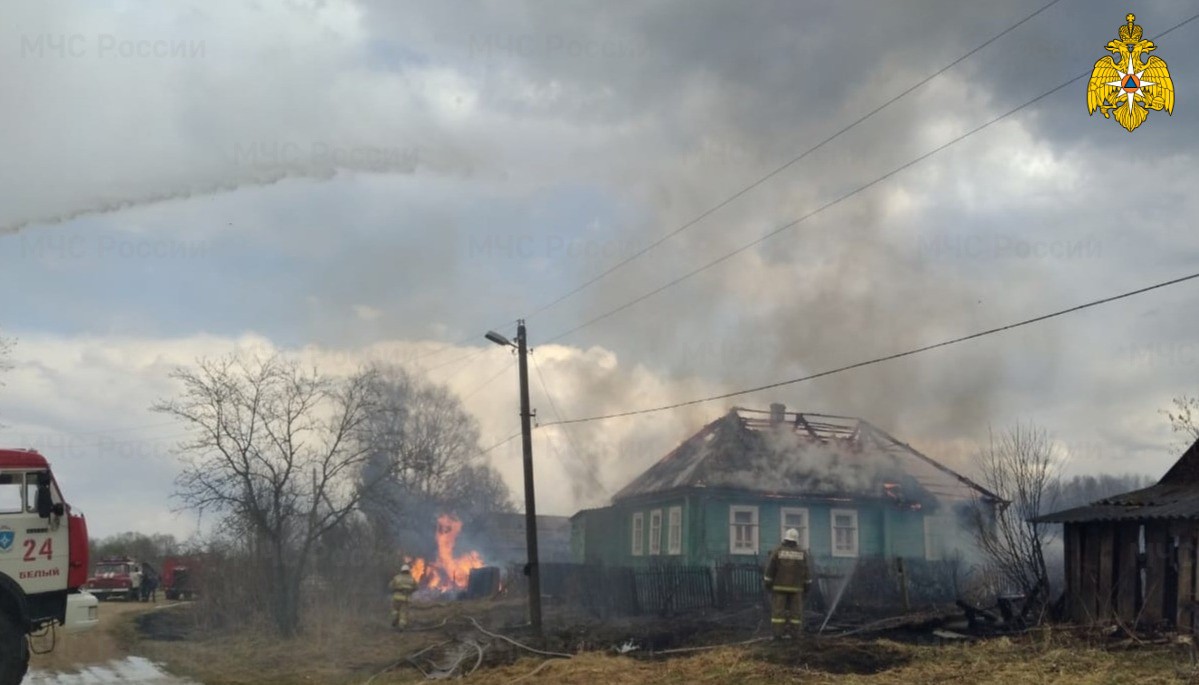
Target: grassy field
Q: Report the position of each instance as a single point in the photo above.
(342, 652)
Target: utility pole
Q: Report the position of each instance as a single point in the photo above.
(526, 429)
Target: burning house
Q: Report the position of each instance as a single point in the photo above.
(728, 493)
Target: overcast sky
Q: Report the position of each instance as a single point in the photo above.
(377, 180)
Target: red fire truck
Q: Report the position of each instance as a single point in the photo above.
(43, 560)
(116, 577)
(180, 576)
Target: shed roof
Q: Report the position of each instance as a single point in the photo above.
(803, 454)
(1175, 496)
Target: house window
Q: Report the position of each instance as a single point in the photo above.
(638, 533)
(655, 531)
(845, 532)
(743, 530)
(674, 531)
(798, 519)
(936, 537)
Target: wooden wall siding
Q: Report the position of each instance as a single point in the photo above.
(1156, 559)
(1105, 587)
(1073, 534)
(1128, 586)
(1070, 544)
(1184, 608)
(1107, 576)
(1089, 566)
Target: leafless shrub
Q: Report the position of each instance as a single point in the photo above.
(1018, 465)
(1184, 419)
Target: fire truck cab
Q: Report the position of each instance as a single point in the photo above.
(43, 560)
(116, 577)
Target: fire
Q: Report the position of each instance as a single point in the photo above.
(447, 572)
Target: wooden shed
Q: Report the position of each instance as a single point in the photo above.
(1132, 557)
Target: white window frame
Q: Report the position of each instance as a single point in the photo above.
(857, 532)
(735, 509)
(935, 552)
(804, 535)
(655, 532)
(674, 530)
(638, 534)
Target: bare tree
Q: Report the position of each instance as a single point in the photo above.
(277, 449)
(1019, 466)
(425, 446)
(1184, 419)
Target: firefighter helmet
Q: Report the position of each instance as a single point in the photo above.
(792, 535)
(405, 568)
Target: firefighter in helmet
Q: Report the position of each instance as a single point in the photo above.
(402, 586)
(788, 577)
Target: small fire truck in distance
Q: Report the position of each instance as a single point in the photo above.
(43, 560)
(180, 577)
(116, 577)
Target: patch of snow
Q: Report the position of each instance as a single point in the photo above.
(133, 670)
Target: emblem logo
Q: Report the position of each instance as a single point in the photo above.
(6, 538)
(1125, 85)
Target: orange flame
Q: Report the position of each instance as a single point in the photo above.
(447, 572)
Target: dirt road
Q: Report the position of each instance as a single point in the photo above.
(98, 656)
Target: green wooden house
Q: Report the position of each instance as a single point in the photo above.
(728, 493)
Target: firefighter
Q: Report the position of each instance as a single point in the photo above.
(402, 586)
(788, 577)
(149, 583)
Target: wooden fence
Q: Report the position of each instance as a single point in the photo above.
(669, 590)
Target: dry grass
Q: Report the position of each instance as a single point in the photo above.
(337, 651)
(999, 661)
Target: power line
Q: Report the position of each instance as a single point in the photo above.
(794, 160)
(465, 366)
(889, 357)
(838, 200)
(554, 407)
(490, 380)
(463, 358)
(501, 443)
(470, 338)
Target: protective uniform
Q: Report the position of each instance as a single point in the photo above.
(402, 586)
(788, 577)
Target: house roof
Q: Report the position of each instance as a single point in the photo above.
(1175, 496)
(803, 454)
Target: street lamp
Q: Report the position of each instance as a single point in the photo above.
(498, 339)
(526, 430)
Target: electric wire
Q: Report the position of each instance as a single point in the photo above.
(489, 381)
(554, 406)
(839, 199)
(885, 358)
(794, 160)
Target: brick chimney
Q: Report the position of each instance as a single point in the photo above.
(778, 413)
